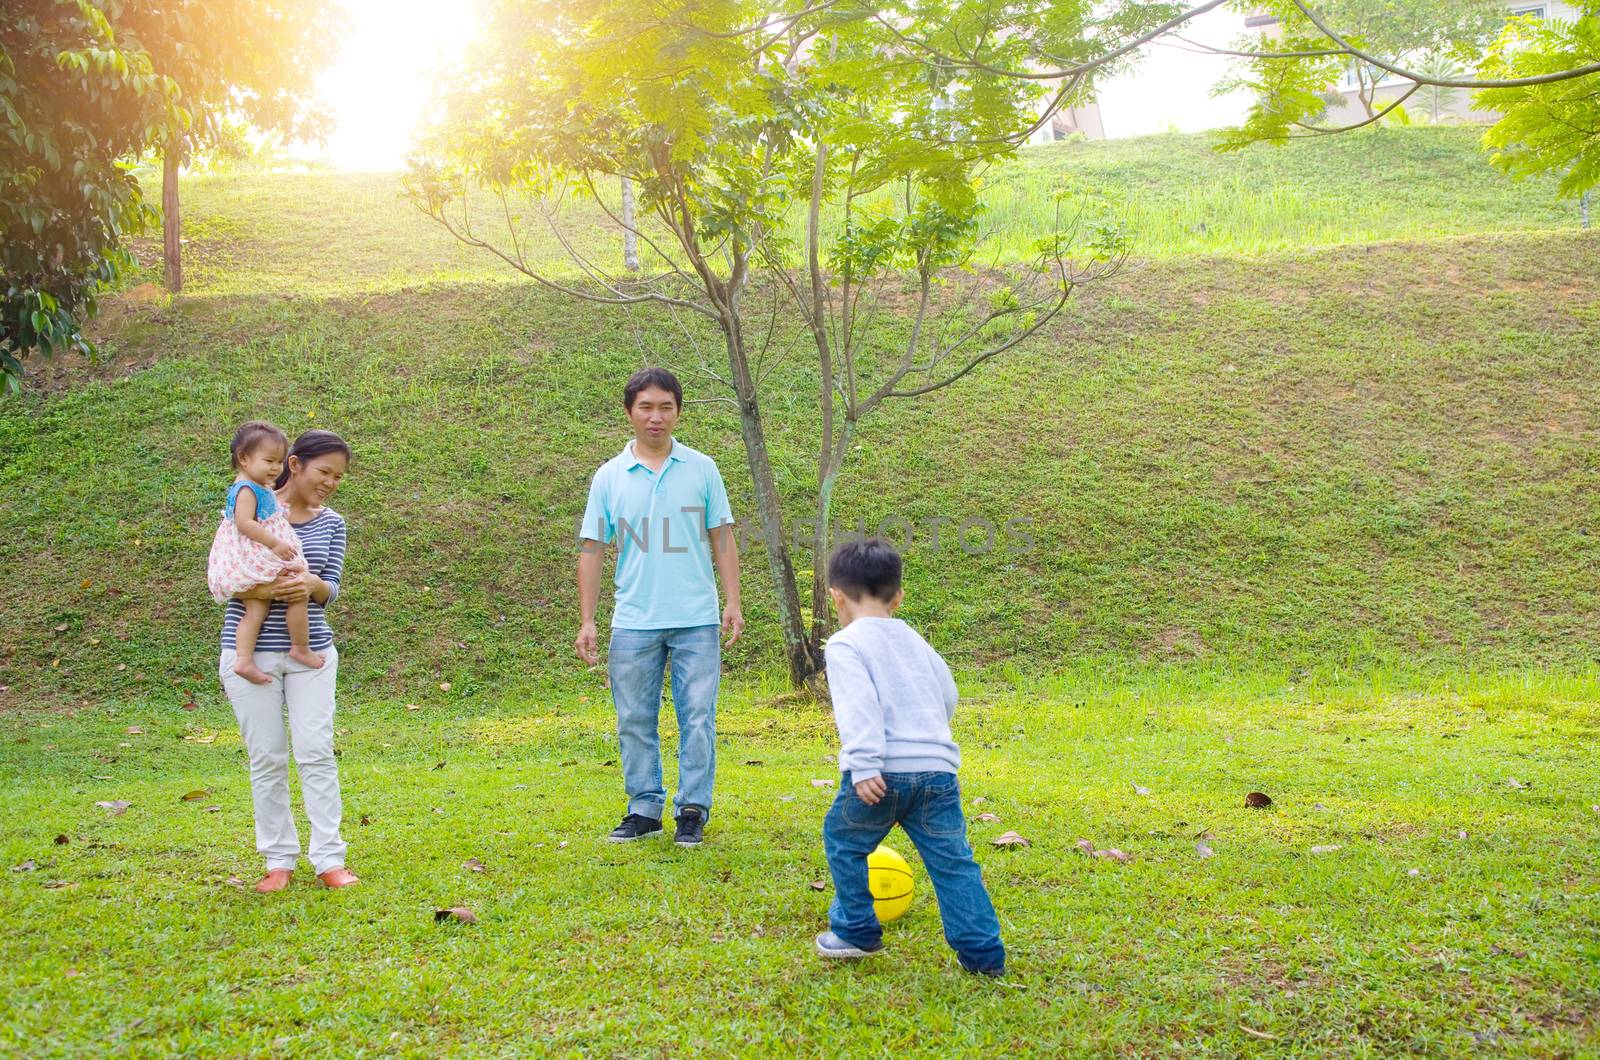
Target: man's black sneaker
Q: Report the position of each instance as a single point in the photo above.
(691, 827)
(634, 826)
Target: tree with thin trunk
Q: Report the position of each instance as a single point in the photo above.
(249, 62)
(789, 167)
(630, 238)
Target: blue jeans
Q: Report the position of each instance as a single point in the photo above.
(637, 661)
(928, 807)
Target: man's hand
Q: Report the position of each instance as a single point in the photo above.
(871, 790)
(588, 643)
(732, 624)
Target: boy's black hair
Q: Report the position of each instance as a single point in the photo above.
(251, 435)
(649, 377)
(870, 566)
(309, 445)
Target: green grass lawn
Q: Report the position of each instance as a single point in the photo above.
(1315, 520)
(1458, 912)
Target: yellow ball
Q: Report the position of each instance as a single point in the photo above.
(889, 879)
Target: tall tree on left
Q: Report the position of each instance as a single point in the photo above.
(78, 101)
(250, 62)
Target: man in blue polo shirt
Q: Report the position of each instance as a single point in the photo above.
(665, 506)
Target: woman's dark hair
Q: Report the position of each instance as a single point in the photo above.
(251, 436)
(645, 378)
(871, 566)
(309, 445)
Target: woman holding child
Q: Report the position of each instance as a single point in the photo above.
(283, 548)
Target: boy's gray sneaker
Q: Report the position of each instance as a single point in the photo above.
(634, 826)
(831, 945)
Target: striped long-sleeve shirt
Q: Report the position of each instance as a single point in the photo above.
(322, 539)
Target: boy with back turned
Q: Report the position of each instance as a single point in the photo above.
(893, 698)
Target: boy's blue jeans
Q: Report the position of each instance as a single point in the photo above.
(928, 807)
(636, 661)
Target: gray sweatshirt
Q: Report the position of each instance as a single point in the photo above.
(893, 698)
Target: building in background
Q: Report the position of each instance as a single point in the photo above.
(1084, 119)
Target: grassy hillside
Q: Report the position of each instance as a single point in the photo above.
(336, 233)
(1313, 460)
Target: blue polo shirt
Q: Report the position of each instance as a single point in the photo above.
(660, 521)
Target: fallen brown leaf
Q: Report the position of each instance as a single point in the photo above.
(1257, 800)
(195, 795)
(117, 807)
(1085, 846)
(1204, 849)
(1519, 785)
(63, 839)
(444, 686)
(134, 730)
(1112, 854)
(212, 809)
(818, 885)
(474, 865)
(458, 913)
(1140, 789)
(987, 818)
(1327, 848)
(234, 881)
(365, 820)
(1010, 839)
(1263, 1035)
(412, 706)
(58, 885)
(822, 783)
(755, 762)
(26, 866)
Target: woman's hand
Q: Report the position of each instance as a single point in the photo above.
(293, 588)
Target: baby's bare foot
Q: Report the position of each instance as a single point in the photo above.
(306, 657)
(248, 670)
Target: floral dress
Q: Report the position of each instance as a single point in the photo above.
(237, 562)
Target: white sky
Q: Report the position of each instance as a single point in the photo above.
(1172, 84)
(380, 85)
(382, 80)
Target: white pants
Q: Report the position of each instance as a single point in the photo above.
(308, 696)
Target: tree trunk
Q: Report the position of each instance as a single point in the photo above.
(169, 216)
(821, 542)
(630, 241)
(803, 663)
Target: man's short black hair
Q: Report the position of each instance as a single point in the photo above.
(870, 566)
(645, 378)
